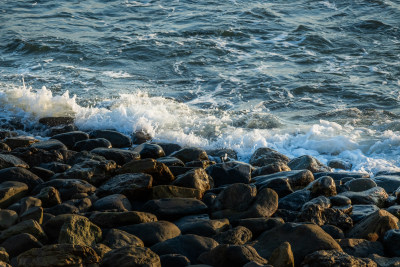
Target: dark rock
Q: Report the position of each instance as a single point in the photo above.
(118, 155)
(282, 256)
(323, 186)
(279, 185)
(295, 200)
(11, 192)
(101, 249)
(191, 246)
(174, 208)
(159, 171)
(59, 255)
(34, 213)
(117, 239)
(360, 248)
(78, 230)
(171, 191)
(153, 232)
(236, 197)
(63, 208)
(391, 241)
(204, 227)
(21, 175)
(339, 175)
(395, 210)
(4, 147)
(117, 139)
(271, 169)
(117, 219)
(388, 182)
(360, 212)
(230, 173)
(49, 145)
(4, 134)
(83, 204)
(223, 154)
(62, 129)
(171, 161)
(190, 154)
(68, 188)
(325, 258)
(130, 256)
(132, 185)
(174, 260)
(359, 185)
(177, 170)
(334, 231)
(259, 225)
(20, 141)
(231, 255)
(297, 179)
(169, 148)
(140, 137)
(149, 151)
(69, 139)
(304, 239)
(196, 178)
(29, 202)
(20, 243)
(340, 200)
(264, 156)
(34, 156)
(56, 167)
(7, 161)
(91, 144)
(30, 227)
(340, 164)
(309, 163)
(116, 202)
(49, 196)
(200, 164)
(7, 218)
(239, 235)
(56, 121)
(385, 262)
(375, 196)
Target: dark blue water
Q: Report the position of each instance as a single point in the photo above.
(304, 77)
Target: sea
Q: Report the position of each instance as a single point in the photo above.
(312, 77)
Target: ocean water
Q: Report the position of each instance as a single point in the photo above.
(304, 77)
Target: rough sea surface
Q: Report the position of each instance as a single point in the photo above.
(304, 77)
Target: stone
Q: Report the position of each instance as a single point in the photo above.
(49, 196)
(323, 186)
(339, 175)
(153, 232)
(117, 139)
(200, 164)
(340, 164)
(271, 169)
(4, 257)
(391, 241)
(101, 249)
(174, 260)
(8, 218)
(91, 144)
(304, 239)
(68, 188)
(360, 248)
(62, 129)
(171, 161)
(115, 202)
(340, 200)
(116, 238)
(132, 185)
(236, 236)
(58, 255)
(308, 162)
(30, 227)
(359, 185)
(34, 213)
(140, 137)
(395, 210)
(63, 208)
(282, 256)
(169, 148)
(325, 258)
(56, 167)
(297, 179)
(191, 246)
(120, 156)
(295, 200)
(34, 156)
(171, 191)
(190, 154)
(178, 170)
(236, 197)
(153, 151)
(174, 208)
(259, 225)
(53, 225)
(131, 256)
(388, 182)
(333, 231)
(230, 173)
(78, 230)
(204, 227)
(117, 219)
(279, 185)
(69, 139)
(374, 226)
(159, 171)
(4, 134)
(20, 243)
(385, 262)
(51, 144)
(56, 121)
(223, 154)
(11, 192)
(375, 196)
(359, 212)
(20, 141)
(7, 161)
(264, 156)
(82, 204)
(231, 256)
(4, 147)
(21, 175)
(196, 178)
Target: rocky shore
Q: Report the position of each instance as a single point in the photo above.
(102, 198)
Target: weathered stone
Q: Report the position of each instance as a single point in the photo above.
(391, 241)
(340, 200)
(34, 213)
(159, 171)
(325, 258)
(171, 191)
(339, 175)
(295, 200)
(51, 144)
(282, 256)
(304, 239)
(63, 208)
(196, 178)
(120, 156)
(236, 197)
(230, 173)
(279, 185)
(30, 227)
(200, 164)
(78, 230)
(191, 246)
(5, 133)
(49, 196)
(173, 208)
(56, 167)
(8, 218)
(264, 156)
(117, 139)
(388, 182)
(153, 232)
(297, 179)
(68, 188)
(7, 161)
(340, 164)
(259, 225)
(4, 147)
(11, 192)
(374, 226)
(140, 137)
(190, 154)
(58, 255)
(231, 256)
(20, 243)
(237, 236)
(385, 262)
(309, 163)
(116, 238)
(174, 260)
(223, 154)
(395, 210)
(131, 256)
(116, 202)
(203, 227)
(271, 169)
(20, 141)
(153, 151)
(376, 196)
(101, 249)
(333, 231)
(117, 219)
(56, 121)
(62, 129)
(83, 204)
(35, 156)
(69, 139)
(359, 185)
(171, 161)
(91, 144)
(169, 148)
(360, 248)
(323, 186)
(21, 175)
(359, 212)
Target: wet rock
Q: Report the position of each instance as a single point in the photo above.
(307, 162)
(69, 139)
(4, 134)
(196, 178)
(30, 227)
(287, 215)
(169, 148)
(325, 258)
(51, 144)
(7, 161)
(116, 202)
(34, 156)
(360, 248)
(223, 154)
(56, 121)
(340, 200)
(391, 241)
(231, 255)
(339, 175)
(237, 236)
(236, 197)
(11, 192)
(59, 255)
(191, 246)
(117, 219)
(20, 243)
(49, 196)
(68, 188)
(56, 167)
(271, 169)
(120, 156)
(323, 186)
(190, 154)
(21, 175)
(297, 179)
(295, 200)
(140, 137)
(153, 232)
(204, 227)
(374, 226)
(304, 239)
(264, 156)
(159, 171)
(385, 262)
(117, 239)
(171, 191)
(153, 151)
(131, 256)
(171, 161)
(395, 210)
(20, 141)
(4, 147)
(177, 170)
(259, 225)
(78, 230)
(174, 208)
(340, 164)
(7, 218)
(388, 182)
(279, 185)
(230, 173)
(132, 185)
(174, 260)
(375, 196)
(91, 144)
(360, 212)
(35, 213)
(282, 256)
(333, 231)
(117, 139)
(62, 129)
(200, 164)
(359, 185)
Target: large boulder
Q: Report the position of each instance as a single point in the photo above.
(174, 208)
(297, 179)
(196, 178)
(117, 139)
(11, 192)
(131, 256)
(7, 161)
(190, 154)
(328, 258)
(21, 175)
(376, 196)
(308, 162)
(116, 238)
(117, 219)
(68, 188)
(120, 156)
(153, 151)
(36, 156)
(91, 144)
(230, 173)
(323, 186)
(69, 139)
(359, 185)
(29, 226)
(264, 156)
(78, 230)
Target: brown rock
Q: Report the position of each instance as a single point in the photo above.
(237, 236)
(190, 154)
(196, 178)
(282, 256)
(171, 191)
(20, 141)
(11, 192)
(117, 219)
(78, 230)
(131, 256)
(328, 258)
(30, 227)
(116, 238)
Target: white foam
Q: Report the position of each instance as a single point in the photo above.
(117, 74)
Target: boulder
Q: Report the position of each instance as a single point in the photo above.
(196, 178)
(169, 148)
(282, 256)
(131, 256)
(117, 139)
(388, 182)
(340, 200)
(34, 156)
(360, 248)
(11, 192)
(68, 188)
(78, 230)
(153, 151)
(20, 243)
(295, 200)
(223, 154)
(333, 231)
(340, 164)
(340, 175)
(69, 139)
(359, 185)
(391, 241)
(35, 213)
(4, 147)
(174, 260)
(190, 154)
(117, 219)
(20, 141)
(30, 227)
(56, 167)
(21, 175)
(297, 179)
(56, 121)
(327, 258)
(271, 169)
(230, 173)
(7, 160)
(385, 262)
(91, 144)
(62, 129)
(203, 227)
(174, 208)
(309, 163)
(140, 137)
(171, 161)
(51, 144)
(49, 196)
(153, 232)
(375, 196)
(280, 185)
(116, 238)
(264, 156)
(259, 225)
(171, 191)
(120, 156)
(236, 236)
(359, 212)
(323, 186)
(115, 202)
(236, 197)
(7, 218)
